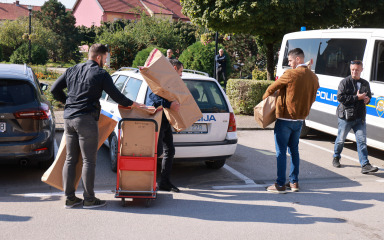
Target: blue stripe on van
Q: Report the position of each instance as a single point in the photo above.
(110, 115)
(329, 96)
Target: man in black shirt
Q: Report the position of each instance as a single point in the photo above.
(85, 83)
(221, 67)
(353, 94)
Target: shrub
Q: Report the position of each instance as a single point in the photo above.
(1, 53)
(258, 74)
(39, 54)
(122, 47)
(142, 56)
(244, 94)
(202, 57)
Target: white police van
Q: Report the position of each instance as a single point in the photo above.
(211, 139)
(332, 51)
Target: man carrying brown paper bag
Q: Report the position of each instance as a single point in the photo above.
(165, 133)
(298, 87)
(85, 83)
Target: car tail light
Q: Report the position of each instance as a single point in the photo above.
(232, 123)
(41, 113)
(41, 149)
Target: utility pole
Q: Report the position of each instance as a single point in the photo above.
(29, 34)
(214, 62)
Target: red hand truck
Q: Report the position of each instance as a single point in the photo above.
(137, 160)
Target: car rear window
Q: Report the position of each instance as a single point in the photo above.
(13, 93)
(208, 96)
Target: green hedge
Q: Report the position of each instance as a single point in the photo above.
(142, 56)
(245, 94)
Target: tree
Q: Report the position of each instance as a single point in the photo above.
(268, 20)
(152, 31)
(12, 32)
(54, 16)
(122, 47)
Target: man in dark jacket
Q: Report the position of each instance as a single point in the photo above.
(85, 83)
(221, 67)
(165, 133)
(353, 94)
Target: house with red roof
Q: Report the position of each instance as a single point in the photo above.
(12, 11)
(93, 12)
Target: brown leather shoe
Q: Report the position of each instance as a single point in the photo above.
(294, 187)
(276, 189)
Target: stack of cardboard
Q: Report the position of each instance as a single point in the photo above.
(138, 139)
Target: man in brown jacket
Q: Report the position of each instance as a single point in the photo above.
(298, 87)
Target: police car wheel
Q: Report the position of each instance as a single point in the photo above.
(215, 164)
(113, 151)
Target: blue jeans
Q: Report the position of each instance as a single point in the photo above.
(359, 127)
(287, 134)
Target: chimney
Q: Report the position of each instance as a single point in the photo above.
(17, 3)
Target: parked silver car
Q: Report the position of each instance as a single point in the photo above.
(27, 124)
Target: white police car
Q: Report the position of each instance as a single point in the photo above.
(211, 139)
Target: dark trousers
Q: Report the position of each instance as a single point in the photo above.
(166, 143)
(220, 75)
(81, 135)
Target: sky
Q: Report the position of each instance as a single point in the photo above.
(66, 3)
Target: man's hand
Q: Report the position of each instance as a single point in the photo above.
(138, 105)
(361, 96)
(366, 100)
(175, 106)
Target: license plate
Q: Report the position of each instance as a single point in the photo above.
(3, 126)
(196, 128)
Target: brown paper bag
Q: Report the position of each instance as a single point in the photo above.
(264, 112)
(54, 177)
(166, 83)
(138, 138)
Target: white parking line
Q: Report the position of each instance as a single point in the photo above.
(29, 195)
(249, 183)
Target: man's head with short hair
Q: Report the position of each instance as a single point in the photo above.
(169, 53)
(177, 65)
(98, 53)
(295, 57)
(221, 52)
(356, 69)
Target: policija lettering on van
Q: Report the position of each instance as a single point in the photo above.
(329, 96)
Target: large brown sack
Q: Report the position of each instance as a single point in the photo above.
(137, 137)
(54, 175)
(138, 140)
(265, 111)
(165, 82)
